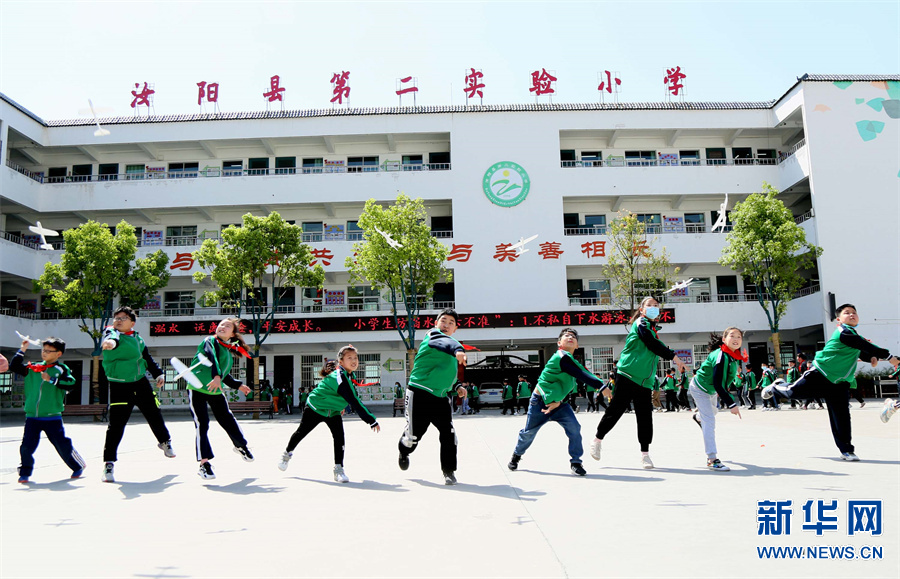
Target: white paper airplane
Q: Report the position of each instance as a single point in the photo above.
(390, 241)
(43, 232)
(186, 373)
(100, 132)
(720, 221)
(520, 245)
(680, 285)
(28, 339)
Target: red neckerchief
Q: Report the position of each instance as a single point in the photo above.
(39, 367)
(739, 356)
(128, 333)
(352, 379)
(235, 348)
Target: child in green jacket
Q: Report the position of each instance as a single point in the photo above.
(45, 394)
(326, 403)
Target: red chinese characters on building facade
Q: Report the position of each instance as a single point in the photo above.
(460, 252)
(641, 248)
(542, 82)
(503, 252)
(321, 254)
(474, 85)
(183, 261)
(209, 91)
(141, 98)
(276, 91)
(594, 248)
(551, 250)
(339, 87)
(607, 85)
(673, 79)
(412, 88)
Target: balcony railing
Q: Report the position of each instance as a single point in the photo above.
(283, 310)
(805, 217)
(699, 298)
(785, 155)
(652, 229)
(626, 162)
(19, 240)
(216, 172)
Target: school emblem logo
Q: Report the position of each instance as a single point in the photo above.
(506, 184)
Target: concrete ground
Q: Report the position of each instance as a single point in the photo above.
(679, 520)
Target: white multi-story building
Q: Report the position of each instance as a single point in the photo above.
(831, 144)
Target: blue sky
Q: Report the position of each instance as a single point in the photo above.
(56, 55)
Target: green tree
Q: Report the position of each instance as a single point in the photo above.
(264, 253)
(767, 247)
(95, 268)
(633, 267)
(407, 273)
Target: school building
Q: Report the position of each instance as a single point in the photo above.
(489, 176)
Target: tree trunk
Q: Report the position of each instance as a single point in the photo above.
(254, 381)
(776, 345)
(410, 360)
(95, 383)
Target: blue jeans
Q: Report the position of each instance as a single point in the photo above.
(563, 414)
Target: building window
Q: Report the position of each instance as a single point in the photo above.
(233, 168)
(689, 157)
(56, 174)
(313, 165)
(715, 156)
(567, 157)
(652, 222)
(701, 351)
(313, 230)
(766, 156)
(183, 170)
(591, 158)
(695, 222)
(742, 155)
(258, 166)
(439, 161)
(181, 235)
(287, 301)
(179, 303)
(600, 289)
(602, 361)
(285, 165)
(354, 231)
(170, 372)
(369, 370)
(362, 298)
(362, 164)
(442, 226)
(412, 162)
(640, 158)
(728, 225)
(135, 172)
(309, 371)
(310, 300)
(108, 172)
(573, 291)
(570, 220)
(82, 172)
(257, 299)
(596, 223)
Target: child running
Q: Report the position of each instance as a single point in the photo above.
(716, 373)
(556, 382)
(325, 404)
(45, 394)
(832, 368)
(217, 349)
(126, 360)
(635, 379)
(433, 375)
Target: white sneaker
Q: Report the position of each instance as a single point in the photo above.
(108, 475)
(849, 456)
(716, 464)
(888, 410)
(595, 448)
(285, 459)
(166, 447)
(339, 475)
(206, 471)
(646, 462)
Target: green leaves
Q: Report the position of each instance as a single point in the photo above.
(769, 248)
(407, 272)
(97, 267)
(264, 252)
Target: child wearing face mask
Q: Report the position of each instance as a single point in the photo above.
(635, 378)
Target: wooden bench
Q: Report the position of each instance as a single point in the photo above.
(399, 404)
(87, 410)
(266, 406)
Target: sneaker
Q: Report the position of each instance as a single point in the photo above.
(166, 447)
(862, 404)
(696, 417)
(244, 452)
(403, 462)
(108, 472)
(514, 461)
(339, 475)
(595, 448)
(206, 471)
(285, 459)
(578, 469)
(449, 478)
(646, 462)
(22, 479)
(716, 464)
(888, 410)
(768, 392)
(77, 472)
(849, 456)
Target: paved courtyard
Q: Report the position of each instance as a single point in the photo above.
(161, 520)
